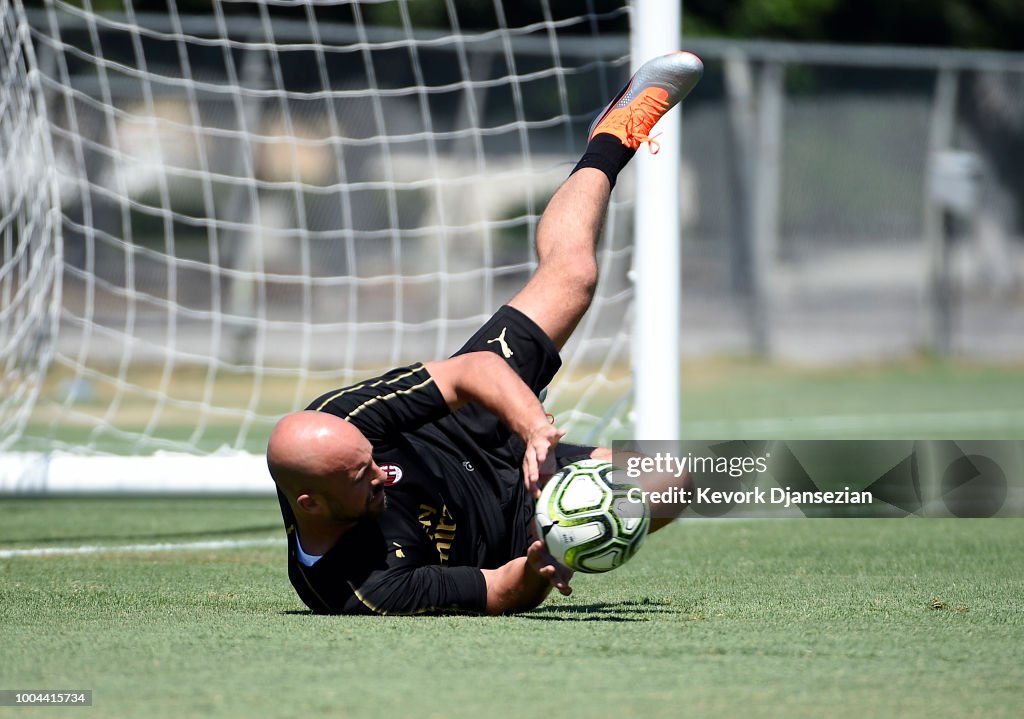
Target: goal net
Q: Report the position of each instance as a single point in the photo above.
(30, 262)
(211, 214)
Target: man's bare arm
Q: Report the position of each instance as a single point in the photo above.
(524, 582)
(487, 380)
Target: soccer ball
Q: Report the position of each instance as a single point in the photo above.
(586, 519)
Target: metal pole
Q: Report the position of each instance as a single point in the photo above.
(657, 30)
(936, 235)
(766, 198)
(739, 87)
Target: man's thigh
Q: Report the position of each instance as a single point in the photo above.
(515, 337)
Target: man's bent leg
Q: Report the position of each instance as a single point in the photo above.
(561, 289)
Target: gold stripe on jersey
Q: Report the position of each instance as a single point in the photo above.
(414, 370)
(385, 612)
(386, 397)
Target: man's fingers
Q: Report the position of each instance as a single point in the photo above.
(557, 579)
(539, 443)
(547, 567)
(530, 471)
(540, 453)
(549, 467)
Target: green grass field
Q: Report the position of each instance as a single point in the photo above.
(912, 399)
(795, 618)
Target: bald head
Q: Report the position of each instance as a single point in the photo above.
(308, 449)
(324, 467)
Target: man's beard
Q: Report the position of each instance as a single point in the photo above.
(375, 505)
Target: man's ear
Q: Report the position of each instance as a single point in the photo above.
(309, 503)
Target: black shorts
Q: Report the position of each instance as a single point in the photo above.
(533, 356)
(515, 337)
(492, 454)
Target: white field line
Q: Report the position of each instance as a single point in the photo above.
(141, 548)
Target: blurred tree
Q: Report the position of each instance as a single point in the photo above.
(989, 103)
(470, 14)
(996, 24)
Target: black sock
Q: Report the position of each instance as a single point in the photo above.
(607, 154)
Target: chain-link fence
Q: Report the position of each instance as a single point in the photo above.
(854, 203)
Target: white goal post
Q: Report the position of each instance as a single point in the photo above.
(211, 215)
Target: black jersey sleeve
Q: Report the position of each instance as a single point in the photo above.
(421, 590)
(400, 400)
(369, 572)
(328, 588)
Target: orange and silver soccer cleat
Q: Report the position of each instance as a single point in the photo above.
(656, 88)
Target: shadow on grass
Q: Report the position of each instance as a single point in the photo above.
(640, 610)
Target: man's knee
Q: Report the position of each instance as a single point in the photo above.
(578, 280)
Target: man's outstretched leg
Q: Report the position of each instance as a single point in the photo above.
(561, 289)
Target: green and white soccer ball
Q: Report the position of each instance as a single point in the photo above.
(586, 519)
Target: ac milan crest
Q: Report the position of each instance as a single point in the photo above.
(392, 474)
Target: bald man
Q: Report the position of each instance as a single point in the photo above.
(413, 492)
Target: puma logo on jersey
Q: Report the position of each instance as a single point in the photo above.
(506, 351)
(399, 552)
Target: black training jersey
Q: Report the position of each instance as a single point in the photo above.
(383, 566)
(415, 557)
(455, 497)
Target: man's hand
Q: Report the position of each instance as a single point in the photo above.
(540, 443)
(524, 582)
(485, 378)
(541, 562)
